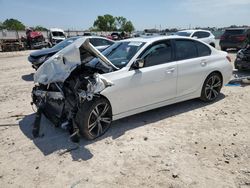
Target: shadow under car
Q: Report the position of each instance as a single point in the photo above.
(54, 139)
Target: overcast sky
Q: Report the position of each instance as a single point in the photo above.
(80, 14)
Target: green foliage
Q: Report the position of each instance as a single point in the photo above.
(13, 24)
(120, 22)
(40, 28)
(1, 26)
(128, 27)
(105, 23)
(108, 22)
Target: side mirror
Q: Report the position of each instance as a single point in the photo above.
(139, 63)
(195, 37)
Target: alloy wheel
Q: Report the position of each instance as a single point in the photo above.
(99, 119)
(213, 87)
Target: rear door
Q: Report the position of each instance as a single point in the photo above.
(192, 64)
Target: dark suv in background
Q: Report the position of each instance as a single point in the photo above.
(235, 38)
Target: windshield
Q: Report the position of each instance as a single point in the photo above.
(58, 34)
(183, 33)
(65, 43)
(235, 31)
(119, 53)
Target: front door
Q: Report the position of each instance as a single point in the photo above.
(154, 83)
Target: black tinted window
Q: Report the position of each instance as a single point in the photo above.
(235, 31)
(201, 34)
(100, 42)
(183, 33)
(158, 54)
(185, 49)
(203, 50)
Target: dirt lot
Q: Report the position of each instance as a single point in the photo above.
(190, 144)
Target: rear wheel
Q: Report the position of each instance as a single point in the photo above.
(94, 118)
(211, 87)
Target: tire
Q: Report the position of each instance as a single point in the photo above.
(211, 87)
(94, 118)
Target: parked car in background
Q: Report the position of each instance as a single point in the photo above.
(242, 60)
(37, 58)
(203, 35)
(55, 36)
(34, 39)
(91, 89)
(235, 38)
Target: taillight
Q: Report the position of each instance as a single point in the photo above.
(229, 59)
(241, 38)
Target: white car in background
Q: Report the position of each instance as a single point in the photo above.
(203, 35)
(88, 89)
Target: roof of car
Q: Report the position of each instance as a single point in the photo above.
(239, 28)
(92, 37)
(193, 30)
(56, 29)
(154, 38)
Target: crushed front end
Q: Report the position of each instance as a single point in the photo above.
(64, 83)
(242, 60)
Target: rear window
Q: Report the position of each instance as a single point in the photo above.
(183, 33)
(235, 32)
(201, 34)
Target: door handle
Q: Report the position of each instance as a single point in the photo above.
(170, 70)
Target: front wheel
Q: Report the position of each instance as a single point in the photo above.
(94, 118)
(211, 87)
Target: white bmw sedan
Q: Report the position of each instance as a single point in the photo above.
(84, 90)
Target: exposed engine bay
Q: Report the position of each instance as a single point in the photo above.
(64, 83)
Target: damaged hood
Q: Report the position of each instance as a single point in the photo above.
(59, 66)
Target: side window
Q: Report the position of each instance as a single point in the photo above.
(99, 42)
(158, 54)
(107, 42)
(205, 34)
(197, 34)
(201, 34)
(185, 49)
(93, 41)
(203, 50)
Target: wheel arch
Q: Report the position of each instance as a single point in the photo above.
(211, 72)
(103, 96)
(217, 72)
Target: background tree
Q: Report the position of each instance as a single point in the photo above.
(120, 22)
(105, 23)
(13, 24)
(1, 26)
(40, 28)
(128, 27)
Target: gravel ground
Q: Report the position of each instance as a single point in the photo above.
(189, 144)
